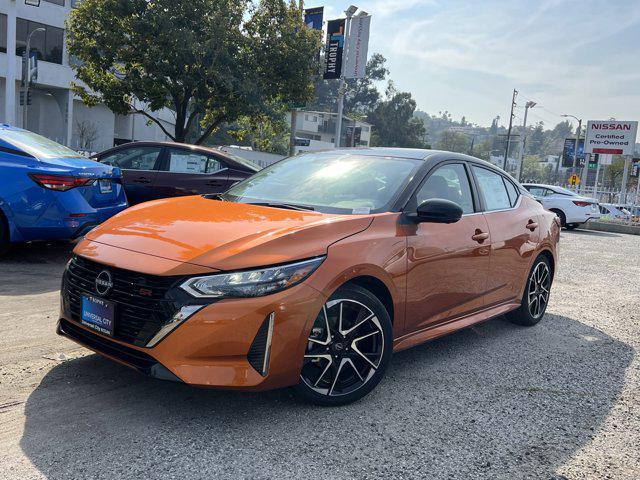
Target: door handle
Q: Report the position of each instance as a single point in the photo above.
(480, 236)
(532, 225)
(142, 180)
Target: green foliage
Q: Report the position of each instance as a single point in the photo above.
(209, 61)
(394, 121)
(452, 141)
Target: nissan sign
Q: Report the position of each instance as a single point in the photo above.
(611, 137)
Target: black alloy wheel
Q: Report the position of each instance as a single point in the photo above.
(348, 348)
(536, 294)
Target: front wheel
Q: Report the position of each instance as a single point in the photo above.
(536, 294)
(572, 226)
(348, 349)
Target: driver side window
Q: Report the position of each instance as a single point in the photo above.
(451, 183)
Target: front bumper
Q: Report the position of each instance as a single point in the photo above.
(211, 348)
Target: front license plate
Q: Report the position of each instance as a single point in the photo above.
(98, 314)
(105, 186)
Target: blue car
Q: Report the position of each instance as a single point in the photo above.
(50, 192)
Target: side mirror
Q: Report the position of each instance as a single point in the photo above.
(438, 210)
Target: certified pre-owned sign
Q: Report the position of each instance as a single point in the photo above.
(611, 136)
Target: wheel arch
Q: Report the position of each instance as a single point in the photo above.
(378, 288)
(4, 219)
(552, 261)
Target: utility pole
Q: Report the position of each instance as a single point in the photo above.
(523, 140)
(575, 150)
(26, 77)
(341, 88)
(294, 111)
(506, 150)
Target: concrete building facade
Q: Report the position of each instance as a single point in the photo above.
(55, 112)
(319, 128)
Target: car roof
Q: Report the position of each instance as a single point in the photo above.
(426, 155)
(233, 159)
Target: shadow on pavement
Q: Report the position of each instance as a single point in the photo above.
(33, 268)
(495, 400)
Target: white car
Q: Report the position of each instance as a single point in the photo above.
(616, 212)
(572, 209)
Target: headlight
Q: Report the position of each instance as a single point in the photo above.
(253, 283)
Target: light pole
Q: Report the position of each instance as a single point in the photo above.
(527, 106)
(575, 150)
(26, 77)
(349, 12)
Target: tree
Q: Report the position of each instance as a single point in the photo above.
(209, 61)
(532, 170)
(452, 141)
(394, 123)
(87, 134)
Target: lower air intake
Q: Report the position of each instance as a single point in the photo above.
(260, 350)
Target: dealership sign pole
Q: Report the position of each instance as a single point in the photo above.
(616, 138)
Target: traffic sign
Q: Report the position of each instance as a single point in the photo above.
(574, 180)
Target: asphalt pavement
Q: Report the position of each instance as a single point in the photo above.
(499, 401)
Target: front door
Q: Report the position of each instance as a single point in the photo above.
(447, 263)
(513, 223)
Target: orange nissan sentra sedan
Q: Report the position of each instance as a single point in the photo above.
(312, 272)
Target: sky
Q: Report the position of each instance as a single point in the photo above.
(577, 57)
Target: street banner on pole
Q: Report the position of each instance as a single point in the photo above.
(334, 50)
(313, 17)
(357, 47)
(567, 153)
(611, 136)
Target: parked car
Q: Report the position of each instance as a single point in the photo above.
(572, 209)
(153, 170)
(311, 272)
(49, 192)
(614, 212)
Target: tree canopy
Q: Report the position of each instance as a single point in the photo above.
(208, 61)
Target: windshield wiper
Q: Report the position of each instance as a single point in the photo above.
(288, 206)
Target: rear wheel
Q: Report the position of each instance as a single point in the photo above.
(348, 350)
(562, 217)
(536, 294)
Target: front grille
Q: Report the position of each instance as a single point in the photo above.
(142, 307)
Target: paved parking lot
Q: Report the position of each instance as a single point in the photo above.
(493, 401)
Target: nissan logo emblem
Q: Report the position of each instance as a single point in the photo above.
(104, 283)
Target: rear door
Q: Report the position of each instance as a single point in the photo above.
(513, 224)
(139, 166)
(187, 172)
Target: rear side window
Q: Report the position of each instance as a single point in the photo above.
(511, 191)
(137, 158)
(183, 161)
(493, 189)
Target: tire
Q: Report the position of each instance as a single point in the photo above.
(531, 312)
(345, 359)
(572, 226)
(4, 235)
(562, 217)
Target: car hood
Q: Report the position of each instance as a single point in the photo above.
(225, 235)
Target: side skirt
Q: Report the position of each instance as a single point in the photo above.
(441, 329)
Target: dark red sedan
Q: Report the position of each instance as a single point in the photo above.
(153, 170)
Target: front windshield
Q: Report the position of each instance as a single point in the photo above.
(331, 181)
(37, 145)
